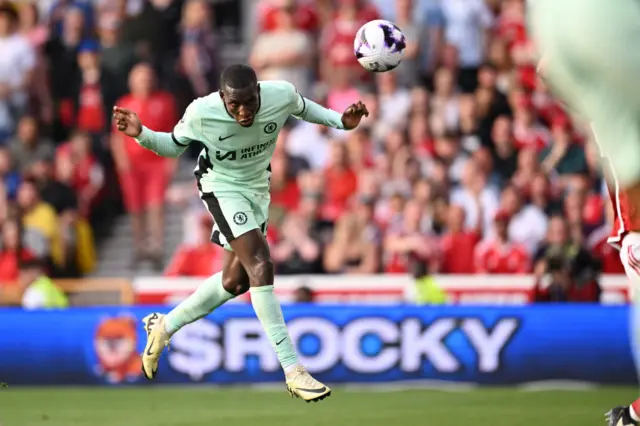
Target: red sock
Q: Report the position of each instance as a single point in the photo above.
(634, 410)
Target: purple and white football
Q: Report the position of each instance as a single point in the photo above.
(379, 46)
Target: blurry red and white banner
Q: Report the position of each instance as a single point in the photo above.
(381, 289)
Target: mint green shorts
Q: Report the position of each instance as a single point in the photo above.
(593, 64)
(235, 213)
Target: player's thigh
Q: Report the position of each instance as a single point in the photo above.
(234, 276)
(252, 250)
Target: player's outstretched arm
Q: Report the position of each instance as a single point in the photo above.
(163, 144)
(314, 113)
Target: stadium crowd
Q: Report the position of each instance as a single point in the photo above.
(466, 163)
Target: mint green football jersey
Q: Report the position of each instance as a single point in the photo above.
(237, 157)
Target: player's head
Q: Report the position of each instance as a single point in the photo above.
(240, 93)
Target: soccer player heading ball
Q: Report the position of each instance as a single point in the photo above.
(238, 127)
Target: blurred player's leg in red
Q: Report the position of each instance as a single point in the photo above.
(591, 61)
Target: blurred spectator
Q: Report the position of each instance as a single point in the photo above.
(12, 254)
(542, 196)
(428, 292)
(574, 281)
(199, 48)
(202, 259)
(528, 168)
(94, 94)
(311, 142)
(285, 192)
(355, 248)
(60, 9)
(395, 101)
(563, 156)
(469, 124)
(468, 28)
(35, 31)
(27, 146)
(17, 64)
(528, 132)
(284, 53)
(8, 175)
(505, 155)
(61, 54)
(40, 223)
(75, 253)
(445, 100)
(406, 18)
(299, 248)
(40, 292)
(500, 255)
(31, 25)
(154, 32)
(305, 17)
(556, 240)
(82, 171)
(340, 182)
(336, 43)
(303, 295)
(144, 176)
(474, 186)
(117, 58)
(458, 243)
(565, 270)
(408, 241)
(527, 223)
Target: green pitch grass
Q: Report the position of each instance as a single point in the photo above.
(201, 406)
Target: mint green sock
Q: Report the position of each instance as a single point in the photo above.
(269, 313)
(207, 297)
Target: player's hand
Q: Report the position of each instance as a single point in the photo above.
(352, 116)
(127, 121)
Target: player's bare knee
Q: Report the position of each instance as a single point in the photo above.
(261, 271)
(234, 285)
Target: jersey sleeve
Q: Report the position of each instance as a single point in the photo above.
(307, 110)
(189, 128)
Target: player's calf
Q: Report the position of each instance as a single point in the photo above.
(253, 251)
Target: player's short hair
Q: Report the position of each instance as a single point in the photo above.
(238, 77)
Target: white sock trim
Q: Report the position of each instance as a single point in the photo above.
(633, 414)
(291, 367)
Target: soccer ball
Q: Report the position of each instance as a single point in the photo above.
(379, 45)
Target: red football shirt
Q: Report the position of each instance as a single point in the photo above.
(458, 251)
(91, 113)
(157, 112)
(340, 186)
(195, 261)
(492, 257)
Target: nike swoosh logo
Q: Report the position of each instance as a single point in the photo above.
(283, 339)
(149, 350)
(220, 138)
(321, 390)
